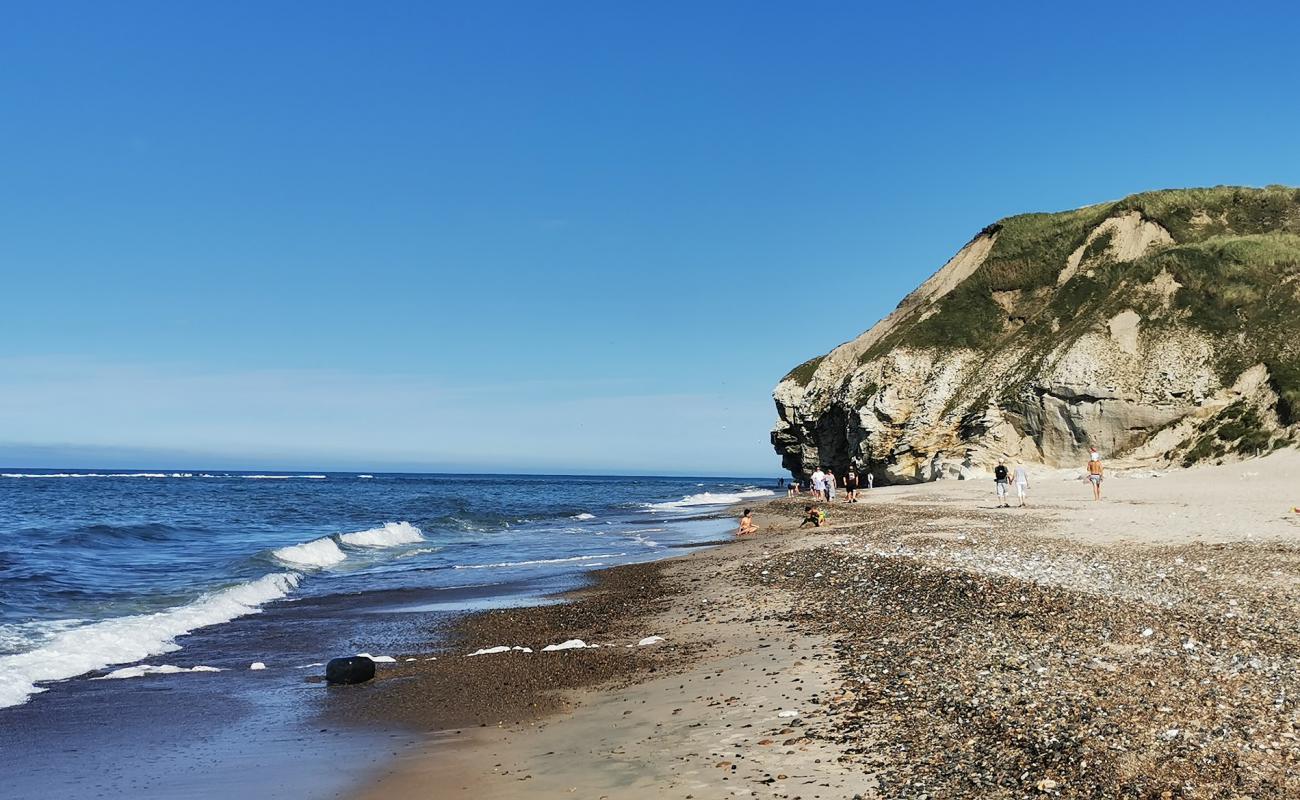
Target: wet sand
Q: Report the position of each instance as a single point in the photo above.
(926, 644)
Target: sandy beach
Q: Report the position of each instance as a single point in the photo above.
(925, 644)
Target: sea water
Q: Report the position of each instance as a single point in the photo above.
(180, 581)
(102, 570)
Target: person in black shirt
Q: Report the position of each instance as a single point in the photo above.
(1000, 479)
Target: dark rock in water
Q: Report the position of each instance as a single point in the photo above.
(352, 669)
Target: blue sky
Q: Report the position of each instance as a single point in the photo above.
(577, 237)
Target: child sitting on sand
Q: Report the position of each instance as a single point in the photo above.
(815, 517)
(747, 526)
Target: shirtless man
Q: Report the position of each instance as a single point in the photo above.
(1095, 474)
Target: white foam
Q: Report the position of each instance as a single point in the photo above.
(390, 534)
(583, 515)
(649, 640)
(96, 475)
(488, 651)
(257, 665)
(378, 659)
(123, 640)
(572, 644)
(281, 477)
(365, 476)
(538, 561)
(316, 553)
(708, 499)
(148, 669)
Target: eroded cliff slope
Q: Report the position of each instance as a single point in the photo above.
(1164, 328)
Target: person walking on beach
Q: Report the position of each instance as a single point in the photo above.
(819, 484)
(1021, 477)
(747, 526)
(1000, 477)
(830, 486)
(851, 487)
(1095, 474)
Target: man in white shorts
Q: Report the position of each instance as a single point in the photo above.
(819, 484)
(1021, 478)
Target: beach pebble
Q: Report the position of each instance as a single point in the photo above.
(788, 714)
(257, 665)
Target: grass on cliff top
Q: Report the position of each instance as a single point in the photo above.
(1192, 214)
(1243, 230)
(803, 373)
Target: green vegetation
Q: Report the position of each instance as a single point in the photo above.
(1098, 246)
(1191, 214)
(1031, 249)
(865, 394)
(1238, 428)
(1235, 259)
(1284, 379)
(803, 373)
(968, 317)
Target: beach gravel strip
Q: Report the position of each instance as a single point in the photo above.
(996, 664)
(458, 691)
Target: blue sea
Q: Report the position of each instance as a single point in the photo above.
(117, 582)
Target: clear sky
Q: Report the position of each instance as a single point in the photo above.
(545, 236)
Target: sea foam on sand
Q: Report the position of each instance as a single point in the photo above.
(149, 669)
(572, 644)
(487, 651)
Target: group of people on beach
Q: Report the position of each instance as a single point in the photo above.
(1004, 478)
(823, 483)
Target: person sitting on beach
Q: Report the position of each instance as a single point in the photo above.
(815, 517)
(1000, 477)
(747, 526)
(1095, 474)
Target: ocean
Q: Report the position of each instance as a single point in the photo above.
(133, 597)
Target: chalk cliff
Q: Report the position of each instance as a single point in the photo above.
(1164, 328)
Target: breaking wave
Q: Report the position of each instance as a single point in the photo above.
(708, 499)
(122, 640)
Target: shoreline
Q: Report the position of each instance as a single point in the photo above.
(925, 644)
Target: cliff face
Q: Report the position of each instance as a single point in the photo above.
(1164, 328)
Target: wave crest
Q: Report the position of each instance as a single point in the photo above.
(390, 534)
(317, 553)
(122, 640)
